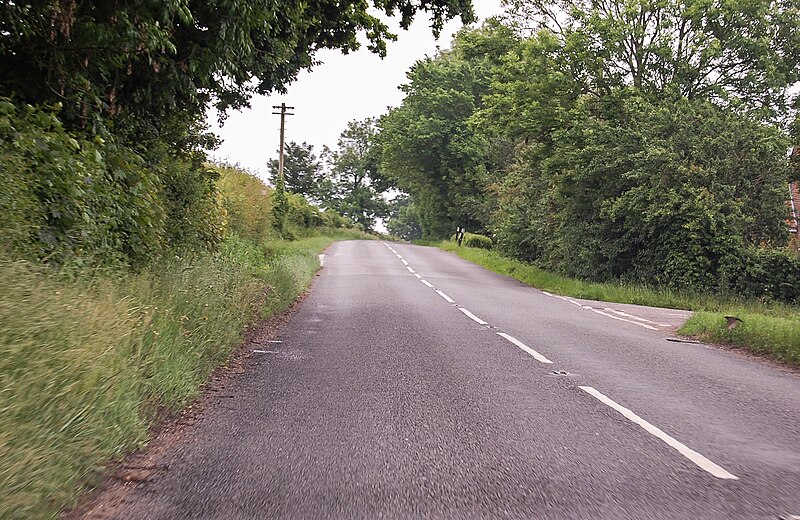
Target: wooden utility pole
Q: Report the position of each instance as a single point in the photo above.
(283, 113)
(281, 207)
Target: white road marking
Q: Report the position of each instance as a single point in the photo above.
(426, 282)
(404, 261)
(264, 351)
(410, 270)
(684, 450)
(636, 317)
(398, 256)
(570, 300)
(618, 318)
(472, 316)
(418, 275)
(443, 295)
(538, 357)
(274, 341)
(620, 313)
(321, 260)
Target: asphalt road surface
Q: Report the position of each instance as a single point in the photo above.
(413, 384)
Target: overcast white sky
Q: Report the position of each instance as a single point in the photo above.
(343, 88)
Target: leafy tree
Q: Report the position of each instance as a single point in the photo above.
(356, 183)
(129, 81)
(104, 58)
(403, 221)
(668, 193)
(736, 53)
(429, 148)
(608, 142)
(302, 171)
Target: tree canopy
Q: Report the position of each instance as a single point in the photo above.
(103, 105)
(105, 58)
(637, 140)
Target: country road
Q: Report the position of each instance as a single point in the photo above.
(413, 384)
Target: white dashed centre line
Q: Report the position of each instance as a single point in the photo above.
(684, 450)
(404, 261)
(426, 282)
(410, 270)
(612, 316)
(472, 316)
(418, 275)
(443, 295)
(538, 357)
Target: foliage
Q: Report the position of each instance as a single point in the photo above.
(479, 241)
(67, 197)
(766, 274)
(302, 171)
(739, 54)
(151, 59)
(247, 202)
(664, 193)
(429, 150)
(403, 220)
(646, 146)
(72, 199)
(109, 165)
(354, 179)
(250, 209)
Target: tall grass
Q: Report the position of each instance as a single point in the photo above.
(86, 361)
(766, 328)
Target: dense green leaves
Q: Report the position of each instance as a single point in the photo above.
(640, 141)
(354, 184)
(110, 163)
(103, 58)
(735, 52)
(429, 148)
(66, 197)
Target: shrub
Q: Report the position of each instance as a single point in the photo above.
(765, 274)
(247, 201)
(479, 241)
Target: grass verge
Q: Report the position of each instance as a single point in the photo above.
(85, 362)
(770, 329)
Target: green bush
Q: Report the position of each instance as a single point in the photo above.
(479, 241)
(648, 192)
(764, 274)
(68, 197)
(71, 197)
(247, 202)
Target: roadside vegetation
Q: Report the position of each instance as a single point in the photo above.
(89, 356)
